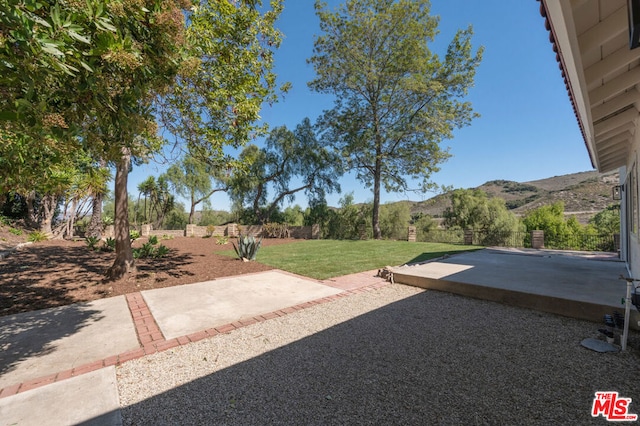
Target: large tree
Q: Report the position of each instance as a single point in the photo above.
(472, 209)
(196, 180)
(395, 100)
(290, 162)
(95, 68)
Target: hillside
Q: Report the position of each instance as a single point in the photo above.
(583, 194)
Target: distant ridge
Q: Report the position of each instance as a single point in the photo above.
(584, 194)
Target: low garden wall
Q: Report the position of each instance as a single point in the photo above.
(229, 230)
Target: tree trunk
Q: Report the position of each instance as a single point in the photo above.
(124, 255)
(32, 214)
(95, 226)
(192, 211)
(377, 172)
(48, 210)
(377, 233)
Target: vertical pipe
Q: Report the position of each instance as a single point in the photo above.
(627, 313)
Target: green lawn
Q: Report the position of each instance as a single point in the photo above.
(322, 259)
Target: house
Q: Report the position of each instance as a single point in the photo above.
(597, 45)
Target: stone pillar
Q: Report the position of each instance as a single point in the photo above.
(537, 239)
(145, 230)
(191, 230)
(109, 232)
(232, 230)
(315, 231)
(412, 234)
(468, 237)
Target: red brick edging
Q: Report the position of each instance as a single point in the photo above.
(152, 340)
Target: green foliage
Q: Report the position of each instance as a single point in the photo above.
(473, 210)
(176, 218)
(347, 221)
(225, 78)
(153, 239)
(109, 244)
(37, 236)
(247, 247)
(607, 221)
(293, 216)
(424, 224)
(214, 217)
(134, 234)
(92, 243)
(150, 249)
(222, 240)
(394, 220)
(395, 100)
(15, 231)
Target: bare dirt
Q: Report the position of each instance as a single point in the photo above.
(55, 273)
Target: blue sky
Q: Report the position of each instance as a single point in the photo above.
(527, 129)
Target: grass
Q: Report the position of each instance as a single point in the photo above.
(322, 259)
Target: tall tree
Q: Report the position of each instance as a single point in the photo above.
(395, 100)
(289, 163)
(196, 180)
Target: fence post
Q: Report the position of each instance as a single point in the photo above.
(362, 230)
(315, 231)
(537, 239)
(232, 230)
(468, 237)
(145, 230)
(616, 243)
(411, 234)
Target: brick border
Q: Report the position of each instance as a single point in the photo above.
(152, 340)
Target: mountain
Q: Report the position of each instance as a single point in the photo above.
(584, 194)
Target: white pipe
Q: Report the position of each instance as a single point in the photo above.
(627, 313)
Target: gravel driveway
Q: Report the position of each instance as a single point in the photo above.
(394, 356)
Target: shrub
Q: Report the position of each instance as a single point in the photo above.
(222, 240)
(210, 230)
(109, 244)
(247, 247)
(275, 230)
(92, 242)
(37, 236)
(134, 234)
(149, 249)
(15, 231)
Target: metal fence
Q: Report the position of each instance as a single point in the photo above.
(582, 242)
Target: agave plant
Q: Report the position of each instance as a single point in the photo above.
(247, 247)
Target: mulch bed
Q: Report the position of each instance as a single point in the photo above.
(56, 273)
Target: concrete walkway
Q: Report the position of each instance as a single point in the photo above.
(57, 366)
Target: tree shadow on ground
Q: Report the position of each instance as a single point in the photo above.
(33, 334)
(49, 276)
(427, 359)
(435, 255)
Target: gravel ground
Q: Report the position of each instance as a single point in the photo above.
(395, 356)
